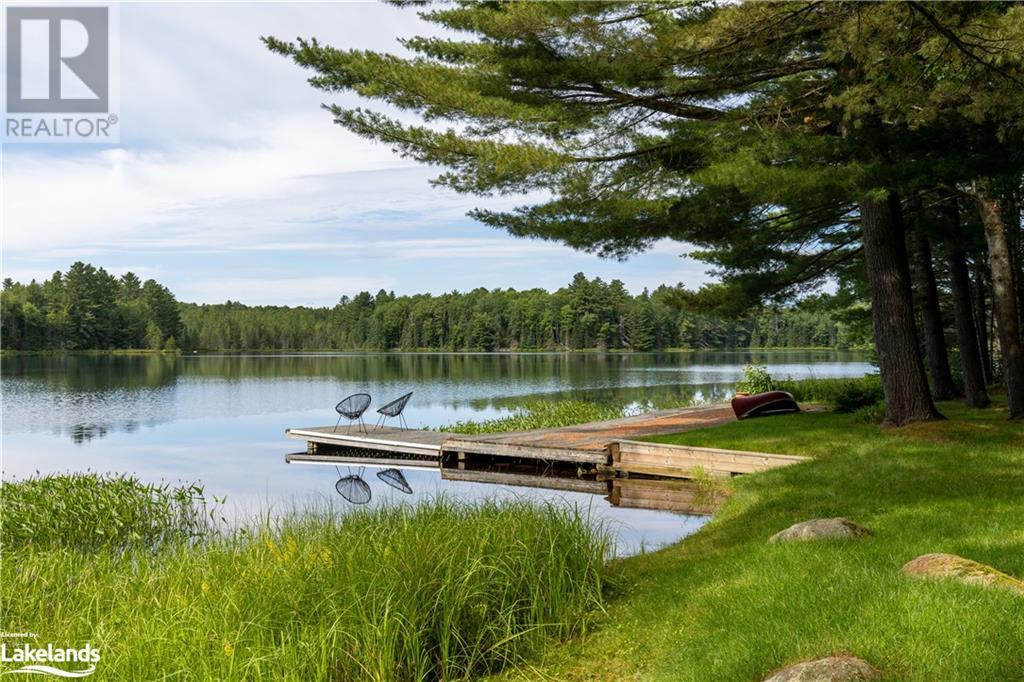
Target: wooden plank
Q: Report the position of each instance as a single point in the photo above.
(662, 459)
(689, 458)
(636, 447)
(479, 447)
(385, 442)
(579, 485)
(402, 435)
(679, 471)
(373, 462)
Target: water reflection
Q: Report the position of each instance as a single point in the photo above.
(220, 420)
(80, 433)
(90, 396)
(619, 490)
(396, 479)
(643, 512)
(353, 488)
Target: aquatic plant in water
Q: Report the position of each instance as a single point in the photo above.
(91, 511)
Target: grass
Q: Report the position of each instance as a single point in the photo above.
(450, 591)
(541, 415)
(438, 591)
(91, 511)
(845, 394)
(725, 605)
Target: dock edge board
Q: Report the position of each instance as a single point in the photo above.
(525, 451)
(681, 460)
(371, 462)
(364, 442)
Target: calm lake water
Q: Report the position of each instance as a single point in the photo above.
(220, 419)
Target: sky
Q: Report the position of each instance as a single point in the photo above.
(231, 183)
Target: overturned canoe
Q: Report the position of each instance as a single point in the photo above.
(772, 402)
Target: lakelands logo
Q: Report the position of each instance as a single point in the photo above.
(61, 84)
(37, 660)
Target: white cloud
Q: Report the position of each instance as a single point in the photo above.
(194, 196)
(426, 249)
(228, 163)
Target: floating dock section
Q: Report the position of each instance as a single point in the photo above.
(607, 448)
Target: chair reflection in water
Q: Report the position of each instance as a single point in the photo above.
(392, 410)
(352, 408)
(353, 488)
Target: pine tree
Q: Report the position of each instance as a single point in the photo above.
(753, 130)
(640, 326)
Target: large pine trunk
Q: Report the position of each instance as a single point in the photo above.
(975, 393)
(943, 387)
(971, 367)
(1015, 238)
(981, 316)
(1004, 297)
(907, 398)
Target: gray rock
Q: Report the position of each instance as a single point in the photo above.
(831, 669)
(959, 568)
(816, 529)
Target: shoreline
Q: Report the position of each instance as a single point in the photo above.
(419, 351)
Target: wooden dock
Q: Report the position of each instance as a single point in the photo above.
(606, 447)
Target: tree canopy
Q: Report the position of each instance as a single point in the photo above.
(780, 139)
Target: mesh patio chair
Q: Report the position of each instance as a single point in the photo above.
(352, 408)
(393, 409)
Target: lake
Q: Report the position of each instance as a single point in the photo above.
(220, 419)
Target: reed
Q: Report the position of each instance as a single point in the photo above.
(90, 511)
(843, 395)
(441, 590)
(541, 415)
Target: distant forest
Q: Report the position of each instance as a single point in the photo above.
(87, 308)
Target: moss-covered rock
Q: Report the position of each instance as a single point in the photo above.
(830, 669)
(817, 529)
(965, 570)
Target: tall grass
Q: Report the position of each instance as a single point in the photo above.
(443, 590)
(541, 415)
(843, 395)
(90, 511)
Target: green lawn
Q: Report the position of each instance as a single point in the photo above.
(724, 605)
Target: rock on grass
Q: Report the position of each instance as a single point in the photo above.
(965, 570)
(817, 529)
(831, 669)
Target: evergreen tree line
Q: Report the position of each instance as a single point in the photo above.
(87, 308)
(586, 314)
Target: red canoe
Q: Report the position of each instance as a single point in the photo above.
(772, 402)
